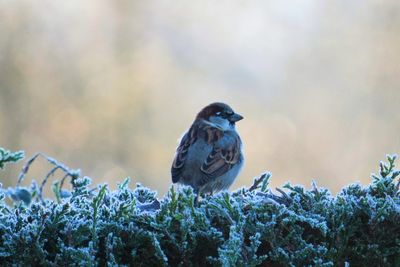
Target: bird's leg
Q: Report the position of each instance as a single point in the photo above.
(196, 200)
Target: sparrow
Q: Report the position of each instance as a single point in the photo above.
(209, 156)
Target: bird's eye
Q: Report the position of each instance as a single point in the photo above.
(218, 113)
(229, 113)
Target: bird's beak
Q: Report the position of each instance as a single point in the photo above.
(236, 117)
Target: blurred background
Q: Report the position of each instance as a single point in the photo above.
(110, 86)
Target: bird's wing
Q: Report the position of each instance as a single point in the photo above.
(181, 152)
(222, 158)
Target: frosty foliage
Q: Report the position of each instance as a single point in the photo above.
(93, 226)
(7, 156)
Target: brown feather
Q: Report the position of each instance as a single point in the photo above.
(221, 160)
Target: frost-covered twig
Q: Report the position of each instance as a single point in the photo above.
(50, 173)
(25, 168)
(153, 206)
(7, 156)
(285, 196)
(57, 166)
(263, 179)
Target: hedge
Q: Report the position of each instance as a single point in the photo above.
(255, 226)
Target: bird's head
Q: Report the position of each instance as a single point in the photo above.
(219, 114)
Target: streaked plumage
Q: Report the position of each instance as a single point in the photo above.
(209, 156)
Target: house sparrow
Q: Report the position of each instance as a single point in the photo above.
(209, 156)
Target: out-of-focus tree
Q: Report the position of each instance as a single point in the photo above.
(110, 86)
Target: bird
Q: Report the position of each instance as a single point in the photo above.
(209, 156)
